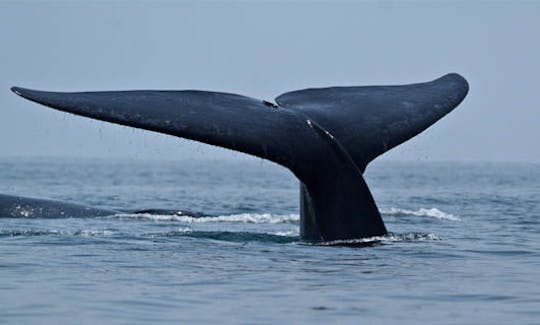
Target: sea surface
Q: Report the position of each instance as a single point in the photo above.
(464, 246)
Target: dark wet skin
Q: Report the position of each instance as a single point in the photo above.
(24, 207)
(325, 136)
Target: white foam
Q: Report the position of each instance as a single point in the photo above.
(83, 233)
(290, 233)
(184, 230)
(422, 212)
(268, 218)
(237, 218)
(91, 233)
(387, 238)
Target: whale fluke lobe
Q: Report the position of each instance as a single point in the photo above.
(371, 120)
(325, 136)
(231, 121)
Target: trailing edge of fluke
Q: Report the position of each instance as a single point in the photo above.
(325, 136)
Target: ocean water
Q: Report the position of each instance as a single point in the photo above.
(464, 246)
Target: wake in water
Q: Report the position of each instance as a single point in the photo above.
(55, 232)
(279, 237)
(233, 218)
(290, 236)
(267, 218)
(422, 212)
(294, 237)
(391, 237)
(236, 230)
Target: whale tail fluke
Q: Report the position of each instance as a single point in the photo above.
(325, 136)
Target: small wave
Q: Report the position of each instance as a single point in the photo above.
(28, 233)
(229, 236)
(54, 232)
(293, 237)
(238, 218)
(268, 218)
(422, 212)
(409, 237)
(91, 233)
(290, 233)
(179, 231)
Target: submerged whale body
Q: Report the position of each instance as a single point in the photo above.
(25, 207)
(18, 206)
(325, 136)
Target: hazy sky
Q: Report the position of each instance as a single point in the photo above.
(262, 50)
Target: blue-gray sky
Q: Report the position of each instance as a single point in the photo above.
(264, 49)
